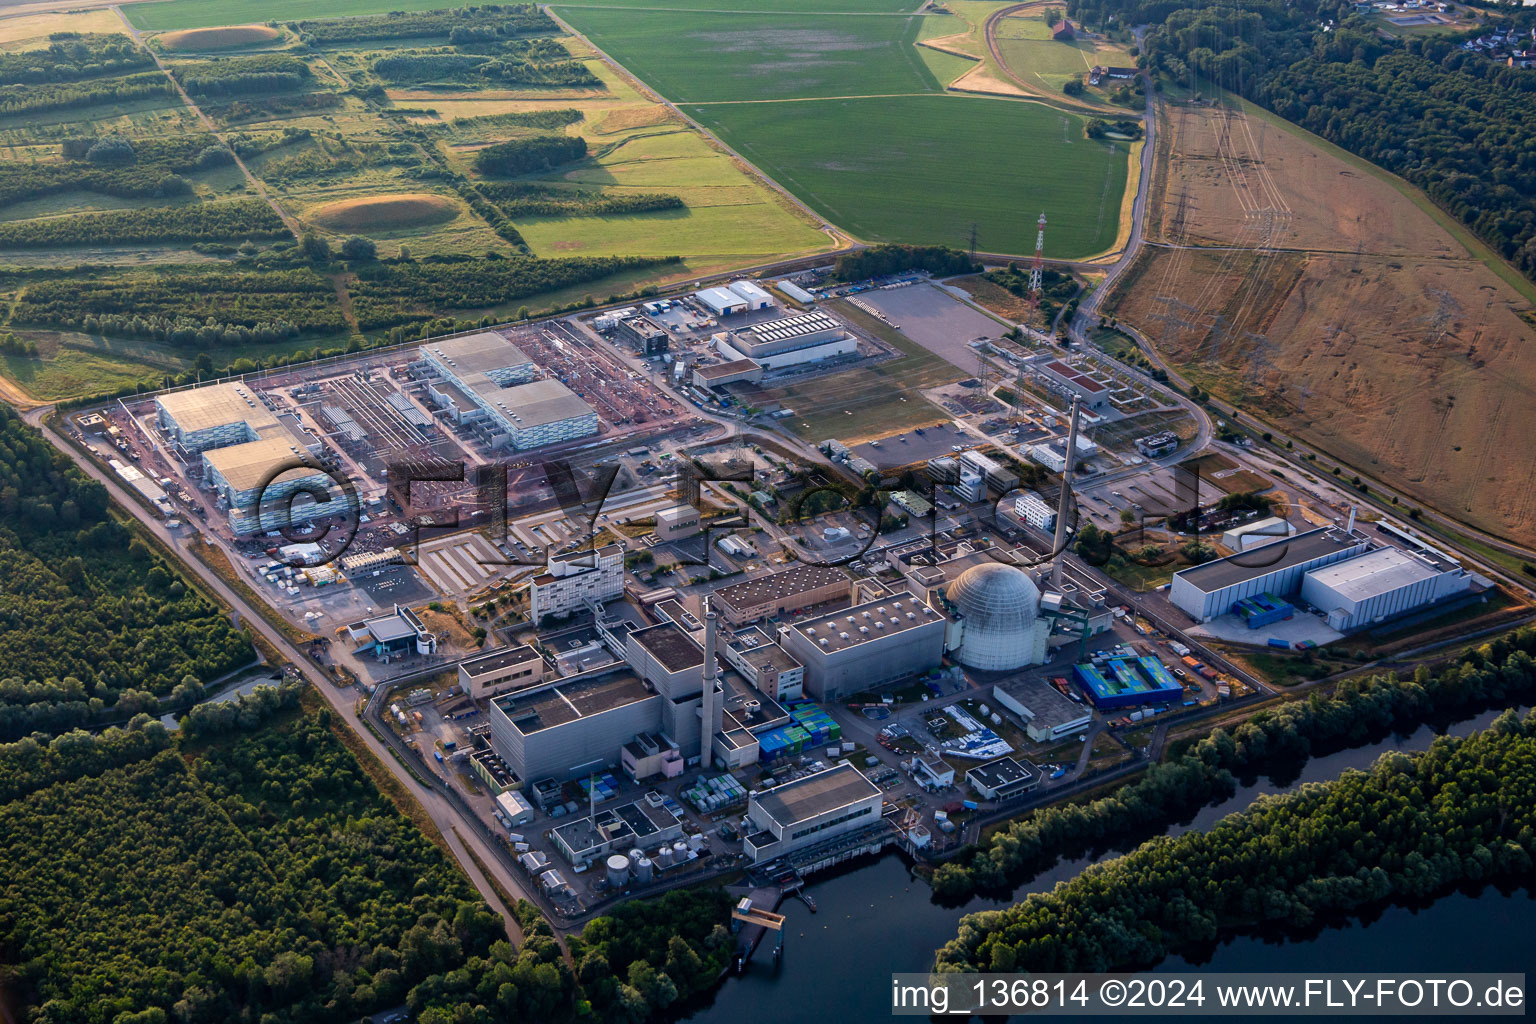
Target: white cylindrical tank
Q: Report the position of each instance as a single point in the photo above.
(643, 870)
(679, 850)
(618, 870)
(663, 857)
(985, 711)
(997, 719)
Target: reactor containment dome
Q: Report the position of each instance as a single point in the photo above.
(996, 609)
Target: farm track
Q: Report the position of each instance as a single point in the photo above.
(255, 182)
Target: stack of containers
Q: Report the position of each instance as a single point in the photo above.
(606, 785)
(818, 724)
(711, 795)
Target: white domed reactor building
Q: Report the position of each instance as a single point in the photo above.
(994, 618)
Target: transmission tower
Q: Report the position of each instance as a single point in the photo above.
(1036, 272)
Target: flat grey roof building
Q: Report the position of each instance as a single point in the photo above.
(483, 353)
(670, 645)
(816, 794)
(561, 704)
(497, 660)
(1372, 573)
(1265, 559)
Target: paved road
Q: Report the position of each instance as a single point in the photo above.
(438, 809)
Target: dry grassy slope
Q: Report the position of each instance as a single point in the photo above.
(1363, 327)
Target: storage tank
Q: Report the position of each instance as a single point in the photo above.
(663, 858)
(618, 870)
(635, 855)
(643, 870)
(679, 851)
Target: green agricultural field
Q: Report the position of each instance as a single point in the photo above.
(851, 116)
(713, 57)
(727, 214)
(924, 168)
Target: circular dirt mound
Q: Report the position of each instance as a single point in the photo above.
(384, 213)
(218, 38)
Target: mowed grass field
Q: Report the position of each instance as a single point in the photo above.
(922, 169)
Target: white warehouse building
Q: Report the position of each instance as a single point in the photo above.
(721, 301)
(1380, 585)
(755, 297)
(1206, 591)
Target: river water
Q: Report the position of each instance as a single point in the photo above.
(875, 920)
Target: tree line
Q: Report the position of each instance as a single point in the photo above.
(1409, 828)
(531, 200)
(386, 294)
(504, 20)
(882, 260)
(1500, 673)
(529, 154)
(36, 99)
(137, 169)
(197, 222)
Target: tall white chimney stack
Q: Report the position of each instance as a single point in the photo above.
(707, 726)
(1060, 546)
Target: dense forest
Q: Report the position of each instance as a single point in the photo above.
(1456, 124)
(1500, 673)
(309, 898)
(1409, 828)
(460, 24)
(190, 307)
(95, 625)
(257, 875)
(234, 220)
(69, 57)
(529, 154)
(541, 62)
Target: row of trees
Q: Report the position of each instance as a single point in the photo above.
(197, 222)
(386, 294)
(882, 260)
(1500, 674)
(37, 99)
(114, 166)
(1409, 828)
(525, 200)
(530, 154)
(505, 20)
(241, 305)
